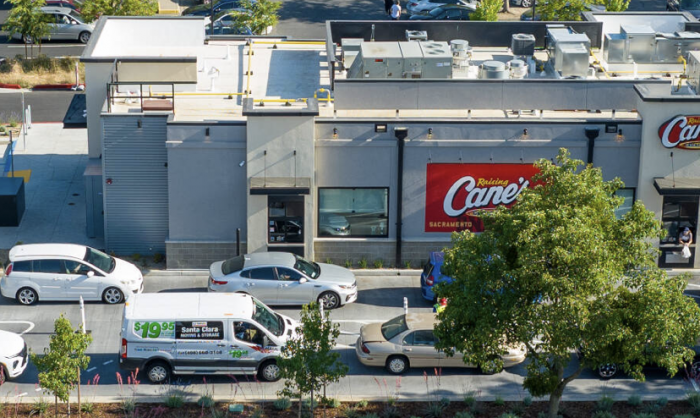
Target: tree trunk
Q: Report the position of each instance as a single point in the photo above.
(55, 398)
(311, 405)
(555, 396)
(68, 406)
(506, 6)
(554, 399)
(325, 400)
(25, 51)
(300, 402)
(79, 409)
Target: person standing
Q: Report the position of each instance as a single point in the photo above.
(686, 238)
(396, 10)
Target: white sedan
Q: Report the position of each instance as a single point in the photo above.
(422, 7)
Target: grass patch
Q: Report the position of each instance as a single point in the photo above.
(40, 70)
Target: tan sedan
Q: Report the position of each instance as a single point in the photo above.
(408, 341)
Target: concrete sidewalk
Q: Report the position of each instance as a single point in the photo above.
(55, 193)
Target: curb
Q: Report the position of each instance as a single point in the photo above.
(55, 86)
(358, 272)
(10, 86)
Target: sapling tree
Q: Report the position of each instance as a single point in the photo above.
(308, 362)
(559, 273)
(27, 19)
(258, 15)
(59, 367)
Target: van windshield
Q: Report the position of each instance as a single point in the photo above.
(268, 319)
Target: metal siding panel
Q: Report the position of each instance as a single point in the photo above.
(528, 94)
(136, 203)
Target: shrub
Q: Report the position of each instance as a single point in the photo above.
(205, 401)
(527, 401)
(391, 412)
(328, 260)
(463, 414)
(445, 402)
(634, 400)
(662, 401)
(348, 264)
(258, 412)
(498, 401)
(40, 406)
(136, 256)
(378, 263)
(602, 414)
(5, 67)
(174, 400)
(508, 415)
(351, 413)
(517, 408)
(362, 403)
(282, 404)
(407, 264)
(13, 120)
(605, 403)
(66, 63)
(128, 406)
(470, 399)
(651, 408)
(330, 402)
(643, 415)
(362, 263)
(693, 399)
(87, 407)
(434, 410)
(158, 258)
(43, 63)
(3, 130)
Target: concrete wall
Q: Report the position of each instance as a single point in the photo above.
(96, 78)
(187, 255)
(279, 136)
(138, 36)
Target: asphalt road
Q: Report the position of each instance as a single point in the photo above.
(380, 298)
(47, 106)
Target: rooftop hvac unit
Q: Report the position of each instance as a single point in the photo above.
(518, 69)
(412, 59)
(642, 45)
(350, 48)
(460, 52)
(493, 70)
(416, 35)
(437, 60)
(568, 51)
(523, 44)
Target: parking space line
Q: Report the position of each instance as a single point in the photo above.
(22, 394)
(107, 362)
(30, 325)
(91, 369)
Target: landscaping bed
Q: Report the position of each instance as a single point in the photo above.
(39, 71)
(588, 409)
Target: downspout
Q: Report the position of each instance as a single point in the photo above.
(400, 134)
(591, 134)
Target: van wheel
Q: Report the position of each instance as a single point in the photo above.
(158, 372)
(112, 296)
(269, 371)
(27, 296)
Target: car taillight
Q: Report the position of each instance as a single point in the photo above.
(364, 348)
(414, 4)
(213, 281)
(9, 270)
(123, 350)
(430, 280)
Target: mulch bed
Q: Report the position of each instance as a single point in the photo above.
(405, 410)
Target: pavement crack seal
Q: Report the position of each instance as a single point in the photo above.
(28, 323)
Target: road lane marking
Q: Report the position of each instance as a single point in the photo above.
(30, 324)
(107, 362)
(349, 333)
(696, 285)
(91, 369)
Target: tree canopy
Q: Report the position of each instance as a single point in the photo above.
(259, 15)
(560, 273)
(93, 9)
(27, 19)
(488, 10)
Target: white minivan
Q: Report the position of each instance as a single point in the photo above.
(202, 333)
(13, 356)
(66, 272)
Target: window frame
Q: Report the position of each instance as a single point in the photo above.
(388, 212)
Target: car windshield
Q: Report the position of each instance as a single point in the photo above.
(100, 260)
(436, 12)
(232, 264)
(312, 270)
(690, 4)
(394, 327)
(77, 16)
(268, 319)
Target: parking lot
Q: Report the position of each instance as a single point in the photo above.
(380, 298)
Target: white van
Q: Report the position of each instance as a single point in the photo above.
(202, 333)
(13, 356)
(66, 272)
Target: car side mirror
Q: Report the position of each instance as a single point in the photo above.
(303, 280)
(90, 273)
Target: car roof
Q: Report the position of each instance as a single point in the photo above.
(270, 259)
(421, 320)
(183, 306)
(53, 9)
(33, 251)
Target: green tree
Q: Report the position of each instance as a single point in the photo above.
(487, 10)
(564, 10)
(59, 367)
(309, 362)
(93, 9)
(27, 19)
(615, 5)
(259, 15)
(559, 273)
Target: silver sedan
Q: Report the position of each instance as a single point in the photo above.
(278, 278)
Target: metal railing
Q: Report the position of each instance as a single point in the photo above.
(113, 93)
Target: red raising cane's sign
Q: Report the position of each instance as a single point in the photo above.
(454, 192)
(682, 132)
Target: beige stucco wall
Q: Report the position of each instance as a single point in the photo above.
(96, 79)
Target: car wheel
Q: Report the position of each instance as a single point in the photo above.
(158, 372)
(330, 300)
(695, 368)
(269, 371)
(112, 296)
(608, 370)
(526, 3)
(27, 39)
(3, 377)
(27, 296)
(397, 365)
(85, 36)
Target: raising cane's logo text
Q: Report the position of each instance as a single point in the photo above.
(681, 132)
(455, 192)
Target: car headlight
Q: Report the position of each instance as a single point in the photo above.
(346, 287)
(126, 282)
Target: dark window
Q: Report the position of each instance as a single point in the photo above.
(48, 266)
(248, 333)
(626, 206)
(424, 338)
(263, 273)
(408, 340)
(246, 274)
(22, 266)
(288, 274)
(452, 14)
(199, 330)
(428, 269)
(286, 219)
(679, 212)
(353, 212)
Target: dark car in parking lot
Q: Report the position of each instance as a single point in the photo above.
(690, 6)
(218, 6)
(447, 12)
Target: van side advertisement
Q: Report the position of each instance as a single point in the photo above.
(454, 193)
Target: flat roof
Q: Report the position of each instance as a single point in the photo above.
(183, 306)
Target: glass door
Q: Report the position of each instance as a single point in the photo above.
(678, 213)
(285, 224)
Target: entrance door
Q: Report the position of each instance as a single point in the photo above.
(285, 226)
(678, 213)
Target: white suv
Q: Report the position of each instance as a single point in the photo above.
(66, 272)
(13, 356)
